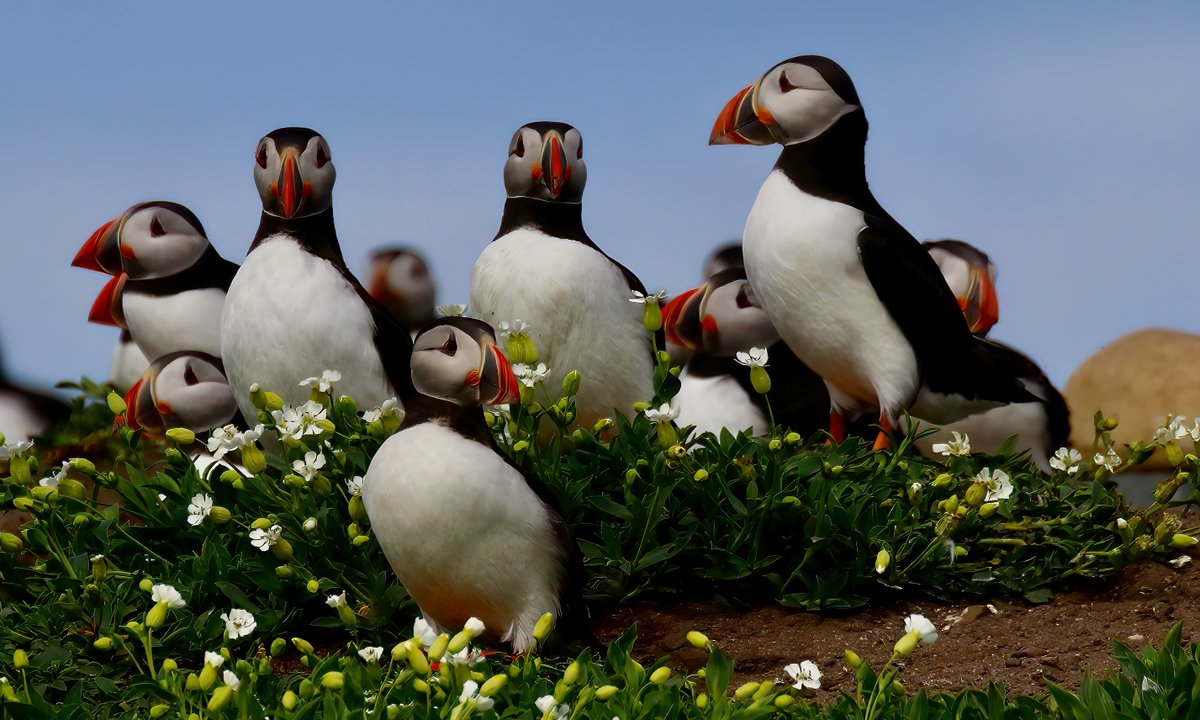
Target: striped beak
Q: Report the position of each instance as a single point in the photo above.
(498, 385)
(741, 122)
(106, 308)
(980, 306)
(683, 323)
(102, 251)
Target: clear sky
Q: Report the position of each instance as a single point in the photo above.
(1059, 137)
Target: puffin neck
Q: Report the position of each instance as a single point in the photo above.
(210, 271)
(704, 365)
(833, 164)
(558, 219)
(315, 233)
(466, 421)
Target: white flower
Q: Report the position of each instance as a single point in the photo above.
(915, 487)
(335, 601)
(1066, 460)
(1122, 523)
(470, 692)
(805, 675)
(238, 623)
(1195, 431)
(264, 539)
(465, 657)
(354, 485)
(221, 440)
(231, 679)
(1109, 461)
(959, 445)
(451, 310)
(663, 413)
(199, 508)
(11, 450)
(756, 357)
(424, 632)
(58, 476)
(295, 423)
(97, 558)
(1149, 685)
(308, 467)
(1172, 429)
(474, 626)
(214, 659)
(999, 486)
(506, 328)
(390, 407)
(1181, 561)
(310, 524)
(925, 629)
(323, 383)
(530, 376)
(166, 594)
(370, 654)
(546, 705)
(642, 299)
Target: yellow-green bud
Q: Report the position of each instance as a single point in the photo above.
(700, 475)
(630, 476)
(520, 349)
(271, 401)
(1180, 540)
(157, 711)
(400, 650)
(667, 435)
(852, 659)
(253, 459)
(764, 689)
(23, 503)
(157, 615)
(697, 639)
(417, 660)
(357, 510)
(192, 683)
(290, 699)
(208, 676)
(701, 700)
(282, 550)
(520, 445)
(83, 465)
(605, 692)
(661, 675)
(746, 690)
(677, 452)
(230, 476)
(347, 616)
(493, 685)
(20, 659)
(146, 584)
(103, 643)
(133, 626)
(332, 681)
(784, 700)
(570, 384)
(905, 645)
(942, 479)
(774, 445)
(10, 543)
(261, 523)
(19, 469)
(182, 435)
(760, 380)
(950, 504)
(882, 560)
(1107, 424)
(543, 626)
(897, 688)
(220, 698)
(220, 515)
(792, 438)
(347, 405)
(302, 645)
(651, 316)
(320, 484)
(976, 494)
(313, 586)
(116, 403)
(284, 571)
(571, 675)
(393, 711)
(987, 510)
(420, 686)
(45, 494)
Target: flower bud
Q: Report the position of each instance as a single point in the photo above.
(357, 510)
(420, 686)
(438, 648)
(284, 571)
(346, 615)
(661, 675)
(746, 690)
(23, 503)
(764, 689)
(103, 643)
(133, 626)
(220, 515)
(320, 485)
(169, 665)
(417, 660)
(852, 659)
(230, 476)
(493, 685)
(605, 692)
(760, 380)
(20, 659)
(543, 626)
(83, 465)
(302, 645)
(570, 384)
(1106, 424)
(208, 676)
(950, 504)
(698, 639)
(253, 459)
(18, 468)
(987, 510)
(146, 584)
(667, 435)
(774, 445)
(10, 543)
(116, 403)
(157, 615)
(701, 700)
(332, 681)
(906, 644)
(783, 701)
(313, 586)
(1180, 540)
(975, 495)
(882, 560)
(290, 699)
(897, 688)
(72, 488)
(282, 550)
(220, 698)
(630, 476)
(182, 435)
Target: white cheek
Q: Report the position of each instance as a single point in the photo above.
(804, 114)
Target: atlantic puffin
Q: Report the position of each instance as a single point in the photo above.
(294, 309)
(182, 390)
(852, 293)
(400, 281)
(971, 276)
(716, 321)
(168, 284)
(467, 532)
(543, 269)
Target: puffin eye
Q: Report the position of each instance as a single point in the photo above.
(419, 271)
(261, 157)
(450, 346)
(743, 302)
(189, 375)
(519, 150)
(156, 228)
(579, 152)
(784, 83)
(322, 155)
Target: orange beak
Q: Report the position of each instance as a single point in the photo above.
(556, 171)
(106, 309)
(496, 378)
(740, 123)
(681, 319)
(101, 252)
(142, 413)
(981, 306)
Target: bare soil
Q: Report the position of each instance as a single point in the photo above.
(1019, 644)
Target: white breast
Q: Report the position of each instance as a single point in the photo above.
(802, 259)
(712, 403)
(464, 533)
(127, 365)
(189, 320)
(577, 304)
(291, 315)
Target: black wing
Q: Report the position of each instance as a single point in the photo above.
(799, 398)
(1057, 414)
(394, 345)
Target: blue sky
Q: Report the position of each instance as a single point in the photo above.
(1059, 137)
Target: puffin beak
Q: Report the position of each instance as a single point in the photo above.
(378, 289)
(102, 251)
(981, 306)
(682, 323)
(142, 412)
(106, 308)
(291, 188)
(740, 122)
(497, 383)
(555, 170)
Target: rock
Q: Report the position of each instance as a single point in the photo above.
(1138, 379)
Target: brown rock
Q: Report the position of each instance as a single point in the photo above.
(1138, 379)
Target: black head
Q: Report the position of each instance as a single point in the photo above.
(545, 162)
(293, 169)
(456, 359)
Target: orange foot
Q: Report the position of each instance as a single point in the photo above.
(882, 441)
(837, 427)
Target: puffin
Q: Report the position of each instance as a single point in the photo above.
(851, 292)
(716, 321)
(971, 276)
(294, 309)
(400, 281)
(1041, 425)
(467, 532)
(543, 269)
(182, 390)
(168, 284)
(128, 362)
(26, 412)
